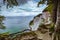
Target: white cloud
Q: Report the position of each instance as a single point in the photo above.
(27, 9)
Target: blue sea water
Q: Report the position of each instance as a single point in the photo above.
(16, 24)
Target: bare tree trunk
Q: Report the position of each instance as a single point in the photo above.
(54, 12)
(57, 29)
(58, 16)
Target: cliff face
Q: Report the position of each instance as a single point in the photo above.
(34, 24)
(44, 18)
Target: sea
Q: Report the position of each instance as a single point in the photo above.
(15, 24)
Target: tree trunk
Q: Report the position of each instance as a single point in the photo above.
(58, 16)
(54, 12)
(57, 30)
(53, 15)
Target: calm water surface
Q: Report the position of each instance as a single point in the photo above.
(16, 24)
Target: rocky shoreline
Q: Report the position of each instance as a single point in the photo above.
(31, 35)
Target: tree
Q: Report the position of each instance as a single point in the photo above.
(10, 3)
(55, 11)
(1, 22)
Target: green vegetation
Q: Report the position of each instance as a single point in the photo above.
(52, 27)
(31, 22)
(11, 3)
(49, 8)
(28, 33)
(1, 18)
(4, 34)
(1, 22)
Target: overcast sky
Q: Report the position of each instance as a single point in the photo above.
(28, 8)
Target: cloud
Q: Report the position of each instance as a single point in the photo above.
(28, 9)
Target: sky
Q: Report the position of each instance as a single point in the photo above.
(27, 8)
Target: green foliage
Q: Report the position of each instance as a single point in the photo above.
(2, 26)
(49, 3)
(1, 22)
(49, 8)
(31, 22)
(52, 27)
(45, 2)
(41, 2)
(4, 34)
(27, 33)
(11, 3)
(2, 18)
(31, 33)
